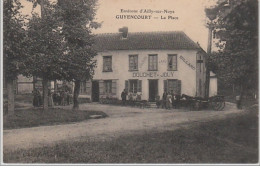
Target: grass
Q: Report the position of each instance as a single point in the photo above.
(37, 117)
(233, 140)
(24, 98)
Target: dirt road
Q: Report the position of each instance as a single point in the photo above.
(121, 121)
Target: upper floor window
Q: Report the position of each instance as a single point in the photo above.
(107, 63)
(172, 62)
(133, 62)
(153, 62)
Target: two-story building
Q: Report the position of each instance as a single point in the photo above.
(146, 63)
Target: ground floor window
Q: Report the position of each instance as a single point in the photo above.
(108, 86)
(105, 88)
(133, 86)
(173, 85)
(83, 88)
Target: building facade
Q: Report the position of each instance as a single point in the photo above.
(146, 64)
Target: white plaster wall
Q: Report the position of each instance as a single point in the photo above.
(21, 78)
(213, 86)
(120, 67)
(24, 85)
(24, 88)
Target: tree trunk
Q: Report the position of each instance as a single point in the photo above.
(10, 93)
(76, 95)
(45, 93)
(42, 2)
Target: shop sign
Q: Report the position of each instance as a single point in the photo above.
(153, 74)
(187, 62)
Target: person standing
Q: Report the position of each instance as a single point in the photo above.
(62, 97)
(39, 96)
(164, 97)
(54, 98)
(50, 99)
(35, 98)
(173, 100)
(158, 103)
(168, 101)
(123, 96)
(68, 97)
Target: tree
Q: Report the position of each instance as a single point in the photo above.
(77, 23)
(44, 48)
(13, 46)
(236, 26)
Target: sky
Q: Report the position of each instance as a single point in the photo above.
(190, 14)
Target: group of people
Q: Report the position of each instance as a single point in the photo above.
(169, 100)
(61, 97)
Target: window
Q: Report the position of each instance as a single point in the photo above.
(133, 62)
(133, 86)
(172, 62)
(173, 85)
(83, 87)
(108, 86)
(153, 62)
(107, 63)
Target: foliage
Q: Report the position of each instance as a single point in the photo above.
(77, 18)
(237, 29)
(14, 49)
(44, 46)
(61, 42)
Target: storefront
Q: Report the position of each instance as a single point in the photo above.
(146, 64)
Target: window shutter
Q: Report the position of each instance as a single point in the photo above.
(165, 87)
(114, 87)
(101, 87)
(179, 87)
(126, 86)
(139, 86)
(88, 87)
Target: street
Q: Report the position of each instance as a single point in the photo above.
(122, 121)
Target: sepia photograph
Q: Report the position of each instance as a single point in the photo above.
(133, 82)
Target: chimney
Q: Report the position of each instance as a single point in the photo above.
(124, 32)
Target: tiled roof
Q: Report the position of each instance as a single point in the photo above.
(144, 40)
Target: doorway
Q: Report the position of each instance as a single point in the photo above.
(153, 90)
(95, 91)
